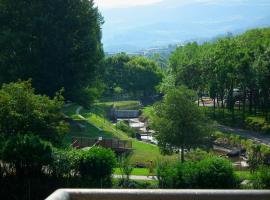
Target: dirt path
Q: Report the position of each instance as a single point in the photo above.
(258, 137)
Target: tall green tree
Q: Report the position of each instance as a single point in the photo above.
(57, 43)
(179, 122)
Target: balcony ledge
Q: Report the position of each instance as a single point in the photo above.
(119, 194)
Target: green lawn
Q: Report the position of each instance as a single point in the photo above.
(122, 105)
(135, 171)
(143, 152)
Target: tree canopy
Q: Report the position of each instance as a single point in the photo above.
(23, 112)
(137, 76)
(56, 43)
(179, 122)
(230, 70)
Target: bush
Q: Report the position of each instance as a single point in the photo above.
(262, 178)
(166, 174)
(65, 163)
(209, 173)
(216, 173)
(123, 126)
(97, 165)
(27, 154)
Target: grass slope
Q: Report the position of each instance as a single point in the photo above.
(96, 125)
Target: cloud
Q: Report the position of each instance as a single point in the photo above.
(108, 4)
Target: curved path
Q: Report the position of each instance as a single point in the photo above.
(257, 137)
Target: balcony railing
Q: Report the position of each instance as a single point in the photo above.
(103, 194)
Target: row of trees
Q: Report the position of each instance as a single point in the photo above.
(230, 70)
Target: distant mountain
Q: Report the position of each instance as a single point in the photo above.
(176, 21)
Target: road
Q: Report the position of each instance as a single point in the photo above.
(258, 137)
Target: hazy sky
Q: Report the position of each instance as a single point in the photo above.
(107, 4)
(138, 24)
(111, 4)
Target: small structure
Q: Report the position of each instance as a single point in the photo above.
(119, 146)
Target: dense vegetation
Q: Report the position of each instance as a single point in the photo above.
(51, 52)
(55, 43)
(209, 173)
(23, 112)
(232, 71)
(136, 77)
(179, 123)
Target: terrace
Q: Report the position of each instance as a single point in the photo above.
(101, 194)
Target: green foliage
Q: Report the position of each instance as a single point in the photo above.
(88, 95)
(209, 173)
(179, 122)
(126, 169)
(97, 165)
(166, 174)
(27, 154)
(262, 178)
(65, 163)
(216, 173)
(230, 70)
(136, 76)
(123, 126)
(24, 112)
(255, 158)
(55, 45)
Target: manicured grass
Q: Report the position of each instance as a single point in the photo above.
(135, 171)
(122, 105)
(107, 127)
(142, 153)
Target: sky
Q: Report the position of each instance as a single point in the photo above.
(113, 4)
(131, 25)
(110, 4)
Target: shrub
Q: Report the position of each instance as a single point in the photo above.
(166, 174)
(262, 178)
(209, 173)
(97, 165)
(216, 173)
(27, 153)
(65, 163)
(123, 126)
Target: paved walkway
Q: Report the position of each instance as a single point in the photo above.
(258, 137)
(132, 177)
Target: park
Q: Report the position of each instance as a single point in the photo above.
(184, 120)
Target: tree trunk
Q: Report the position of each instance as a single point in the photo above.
(218, 102)
(182, 155)
(244, 103)
(214, 106)
(250, 101)
(202, 101)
